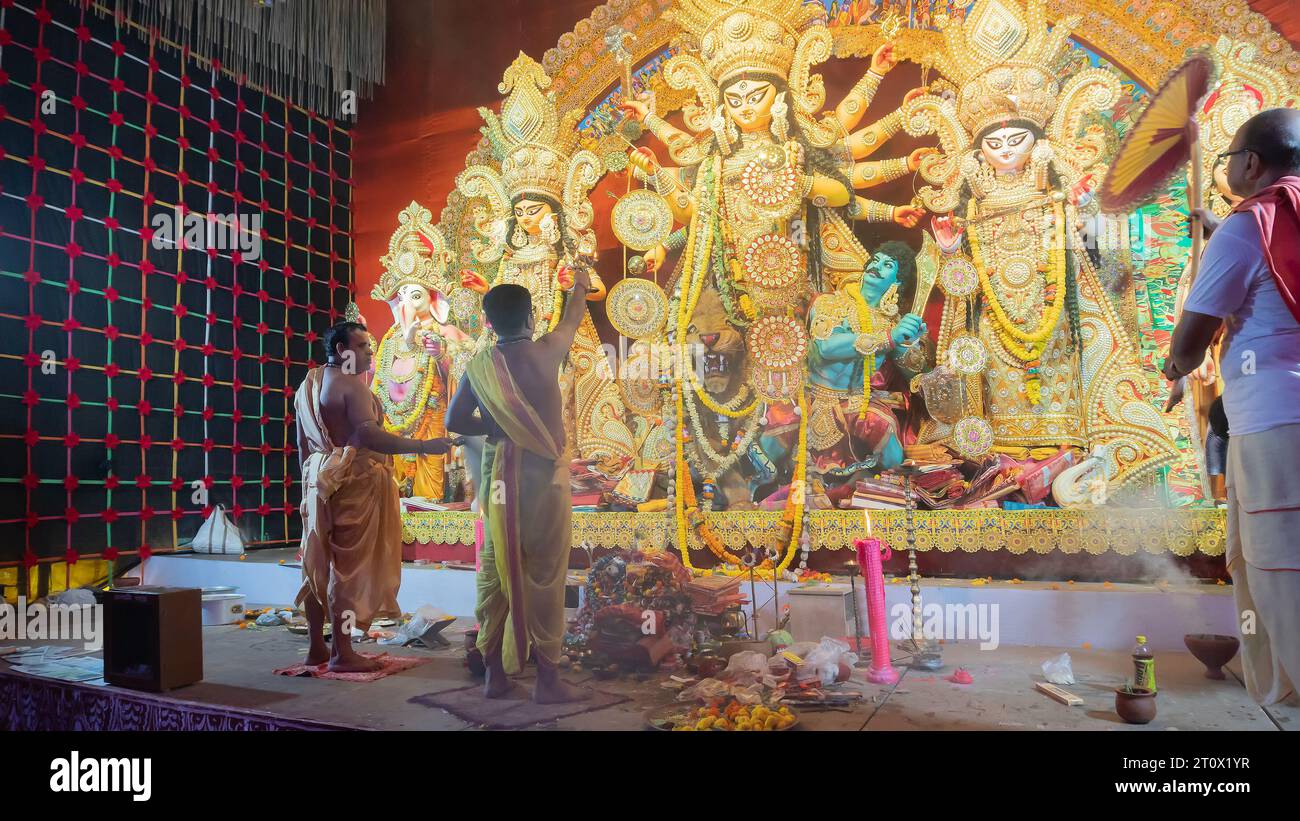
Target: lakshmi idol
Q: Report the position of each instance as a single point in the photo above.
(1043, 355)
(538, 228)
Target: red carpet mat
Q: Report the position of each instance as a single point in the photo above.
(392, 664)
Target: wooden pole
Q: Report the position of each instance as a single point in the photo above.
(1194, 201)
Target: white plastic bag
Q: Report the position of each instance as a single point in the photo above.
(218, 535)
(745, 667)
(1058, 670)
(823, 663)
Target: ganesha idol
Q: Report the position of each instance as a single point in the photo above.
(1034, 343)
(421, 355)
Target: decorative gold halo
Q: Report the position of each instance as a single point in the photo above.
(967, 355)
(958, 277)
(642, 220)
(972, 437)
(772, 262)
(637, 308)
(778, 343)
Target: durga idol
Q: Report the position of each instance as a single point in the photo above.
(1046, 360)
(759, 176)
(538, 228)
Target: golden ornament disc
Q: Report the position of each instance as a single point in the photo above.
(972, 437)
(637, 308)
(958, 277)
(967, 355)
(778, 342)
(772, 262)
(642, 220)
(767, 180)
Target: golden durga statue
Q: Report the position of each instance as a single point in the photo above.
(1045, 359)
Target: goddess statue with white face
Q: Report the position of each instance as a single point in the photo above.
(1044, 356)
(537, 229)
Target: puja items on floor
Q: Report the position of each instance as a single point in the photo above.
(725, 714)
(636, 611)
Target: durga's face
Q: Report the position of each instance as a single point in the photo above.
(530, 215)
(749, 104)
(1007, 149)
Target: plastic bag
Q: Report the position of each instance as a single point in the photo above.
(704, 690)
(826, 661)
(745, 667)
(1058, 670)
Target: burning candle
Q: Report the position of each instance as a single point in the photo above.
(867, 515)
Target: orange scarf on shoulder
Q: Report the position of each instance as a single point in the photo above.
(1277, 213)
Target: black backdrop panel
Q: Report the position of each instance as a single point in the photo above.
(173, 243)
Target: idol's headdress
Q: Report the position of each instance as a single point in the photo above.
(537, 149)
(417, 254)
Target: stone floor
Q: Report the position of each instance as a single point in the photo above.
(238, 665)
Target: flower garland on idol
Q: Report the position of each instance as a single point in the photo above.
(685, 507)
(1028, 346)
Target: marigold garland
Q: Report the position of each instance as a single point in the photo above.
(1008, 334)
(865, 326)
(395, 420)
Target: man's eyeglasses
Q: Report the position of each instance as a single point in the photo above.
(1226, 154)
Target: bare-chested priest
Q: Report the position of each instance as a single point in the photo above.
(351, 521)
(525, 494)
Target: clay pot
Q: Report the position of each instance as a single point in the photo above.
(1135, 704)
(1212, 651)
(710, 666)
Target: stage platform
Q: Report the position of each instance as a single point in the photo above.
(240, 692)
(1103, 615)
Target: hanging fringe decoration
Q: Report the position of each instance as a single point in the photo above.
(311, 53)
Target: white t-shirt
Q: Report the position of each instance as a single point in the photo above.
(1261, 358)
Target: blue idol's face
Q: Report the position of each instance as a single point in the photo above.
(878, 277)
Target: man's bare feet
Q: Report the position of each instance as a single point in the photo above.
(353, 663)
(503, 688)
(318, 653)
(498, 685)
(551, 689)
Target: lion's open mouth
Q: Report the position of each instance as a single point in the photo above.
(716, 368)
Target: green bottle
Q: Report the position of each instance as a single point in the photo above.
(1144, 666)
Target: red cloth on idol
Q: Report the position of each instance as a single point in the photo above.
(1277, 213)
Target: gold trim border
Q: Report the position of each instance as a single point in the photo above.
(1124, 531)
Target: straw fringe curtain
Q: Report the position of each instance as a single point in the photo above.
(309, 51)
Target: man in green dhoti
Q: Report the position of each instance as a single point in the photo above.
(524, 494)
